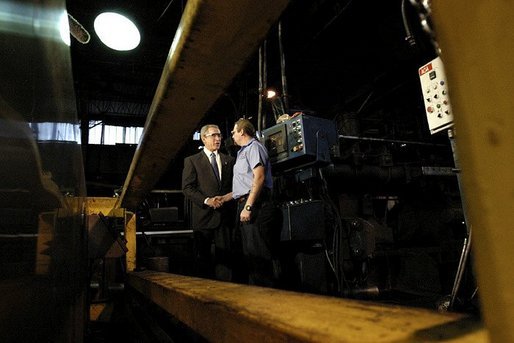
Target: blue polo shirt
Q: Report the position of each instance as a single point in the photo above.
(249, 157)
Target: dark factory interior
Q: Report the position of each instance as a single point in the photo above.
(369, 195)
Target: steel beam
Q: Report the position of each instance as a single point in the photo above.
(229, 312)
(130, 237)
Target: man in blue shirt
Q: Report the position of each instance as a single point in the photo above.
(251, 188)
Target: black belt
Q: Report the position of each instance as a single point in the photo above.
(265, 195)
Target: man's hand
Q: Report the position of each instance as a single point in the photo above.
(215, 202)
(245, 216)
(225, 198)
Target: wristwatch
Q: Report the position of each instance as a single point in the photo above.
(248, 208)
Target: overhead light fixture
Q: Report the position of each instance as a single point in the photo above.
(270, 93)
(117, 31)
(64, 29)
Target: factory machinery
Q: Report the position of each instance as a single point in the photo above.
(359, 220)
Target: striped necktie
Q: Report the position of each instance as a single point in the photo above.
(215, 166)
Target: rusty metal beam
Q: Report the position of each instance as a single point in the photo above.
(130, 237)
(229, 312)
(213, 42)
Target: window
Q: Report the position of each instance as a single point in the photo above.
(99, 133)
(49, 131)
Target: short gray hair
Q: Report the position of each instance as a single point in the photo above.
(204, 128)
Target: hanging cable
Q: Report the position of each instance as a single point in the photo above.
(338, 237)
(409, 36)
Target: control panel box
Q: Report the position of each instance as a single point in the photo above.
(435, 96)
(300, 141)
(303, 220)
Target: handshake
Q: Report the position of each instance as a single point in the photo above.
(219, 200)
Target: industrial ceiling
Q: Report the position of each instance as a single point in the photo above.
(341, 57)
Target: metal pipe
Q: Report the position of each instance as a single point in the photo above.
(285, 94)
(467, 241)
(264, 78)
(372, 139)
(261, 90)
(385, 174)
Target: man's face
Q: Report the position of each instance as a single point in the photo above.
(212, 139)
(236, 135)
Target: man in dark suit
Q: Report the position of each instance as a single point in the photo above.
(206, 175)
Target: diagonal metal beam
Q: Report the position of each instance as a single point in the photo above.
(212, 44)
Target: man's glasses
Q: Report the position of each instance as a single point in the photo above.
(215, 135)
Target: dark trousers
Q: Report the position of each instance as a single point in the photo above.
(212, 250)
(260, 238)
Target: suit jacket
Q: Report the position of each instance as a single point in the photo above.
(199, 182)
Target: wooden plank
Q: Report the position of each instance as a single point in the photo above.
(229, 312)
(213, 42)
(478, 52)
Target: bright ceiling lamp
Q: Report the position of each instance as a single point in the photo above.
(64, 29)
(117, 31)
